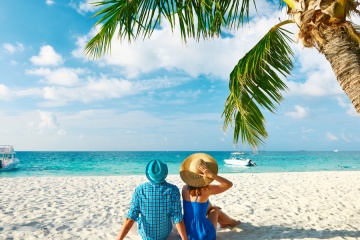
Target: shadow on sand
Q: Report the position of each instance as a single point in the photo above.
(248, 231)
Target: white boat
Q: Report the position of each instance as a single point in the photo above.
(8, 158)
(236, 158)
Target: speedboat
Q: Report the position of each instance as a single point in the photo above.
(8, 158)
(236, 158)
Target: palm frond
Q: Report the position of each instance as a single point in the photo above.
(129, 19)
(255, 82)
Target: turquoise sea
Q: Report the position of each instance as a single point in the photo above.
(127, 163)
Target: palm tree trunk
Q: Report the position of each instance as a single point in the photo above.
(342, 50)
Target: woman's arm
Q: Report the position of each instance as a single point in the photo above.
(215, 189)
(181, 230)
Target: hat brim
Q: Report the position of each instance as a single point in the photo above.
(193, 179)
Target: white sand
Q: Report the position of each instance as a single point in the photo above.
(318, 205)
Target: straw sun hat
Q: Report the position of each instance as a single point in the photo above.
(189, 171)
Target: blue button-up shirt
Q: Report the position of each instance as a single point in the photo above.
(153, 207)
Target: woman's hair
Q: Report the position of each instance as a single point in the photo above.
(196, 191)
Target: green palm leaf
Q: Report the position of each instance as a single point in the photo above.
(129, 19)
(255, 82)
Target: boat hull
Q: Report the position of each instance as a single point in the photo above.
(236, 159)
(10, 164)
(237, 162)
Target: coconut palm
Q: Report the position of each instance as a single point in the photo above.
(255, 81)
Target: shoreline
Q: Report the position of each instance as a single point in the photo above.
(288, 205)
(173, 174)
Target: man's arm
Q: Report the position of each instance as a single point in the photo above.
(128, 223)
(177, 215)
(131, 216)
(181, 230)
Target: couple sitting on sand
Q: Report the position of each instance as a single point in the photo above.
(155, 205)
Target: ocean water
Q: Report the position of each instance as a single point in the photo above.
(134, 163)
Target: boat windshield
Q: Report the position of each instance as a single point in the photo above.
(237, 155)
(5, 155)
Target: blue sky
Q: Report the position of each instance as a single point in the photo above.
(157, 94)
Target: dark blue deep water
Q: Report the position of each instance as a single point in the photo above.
(127, 163)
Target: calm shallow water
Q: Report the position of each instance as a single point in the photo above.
(126, 163)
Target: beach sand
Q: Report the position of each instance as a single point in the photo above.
(311, 205)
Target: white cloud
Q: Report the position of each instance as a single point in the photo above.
(47, 57)
(47, 120)
(331, 136)
(315, 77)
(10, 48)
(8, 94)
(92, 90)
(165, 50)
(84, 6)
(350, 109)
(50, 2)
(4, 92)
(102, 89)
(300, 112)
(30, 92)
(215, 57)
(61, 76)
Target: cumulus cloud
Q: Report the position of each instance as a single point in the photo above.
(12, 48)
(300, 112)
(331, 136)
(215, 57)
(61, 76)
(47, 57)
(315, 76)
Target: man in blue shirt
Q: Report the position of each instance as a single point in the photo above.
(154, 206)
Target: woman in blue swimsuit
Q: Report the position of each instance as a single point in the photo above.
(200, 217)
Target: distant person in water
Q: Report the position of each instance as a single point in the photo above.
(200, 216)
(155, 205)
